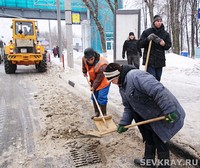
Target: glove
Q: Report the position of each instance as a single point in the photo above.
(152, 36)
(121, 129)
(171, 117)
(157, 40)
(123, 56)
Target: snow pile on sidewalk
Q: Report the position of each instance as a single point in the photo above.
(185, 64)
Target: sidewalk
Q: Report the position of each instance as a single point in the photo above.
(187, 141)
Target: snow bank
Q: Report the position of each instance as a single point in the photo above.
(181, 62)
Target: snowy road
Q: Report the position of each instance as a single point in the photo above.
(18, 120)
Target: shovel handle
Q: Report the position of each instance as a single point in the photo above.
(137, 124)
(145, 122)
(97, 104)
(148, 54)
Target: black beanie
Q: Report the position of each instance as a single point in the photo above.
(131, 34)
(89, 53)
(156, 17)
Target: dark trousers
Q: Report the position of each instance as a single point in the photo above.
(153, 144)
(134, 60)
(156, 72)
(152, 139)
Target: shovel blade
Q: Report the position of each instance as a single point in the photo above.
(102, 127)
(90, 134)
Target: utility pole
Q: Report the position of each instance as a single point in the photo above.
(59, 28)
(68, 23)
(50, 41)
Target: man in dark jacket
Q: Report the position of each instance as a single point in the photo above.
(132, 50)
(145, 98)
(161, 41)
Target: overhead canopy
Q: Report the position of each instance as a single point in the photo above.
(38, 9)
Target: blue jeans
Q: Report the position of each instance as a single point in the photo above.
(156, 72)
(102, 95)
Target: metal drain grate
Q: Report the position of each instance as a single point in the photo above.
(85, 156)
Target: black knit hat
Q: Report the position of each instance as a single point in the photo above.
(131, 34)
(156, 17)
(112, 71)
(89, 53)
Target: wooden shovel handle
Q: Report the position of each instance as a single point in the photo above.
(97, 104)
(145, 122)
(137, 124)
(148, 54)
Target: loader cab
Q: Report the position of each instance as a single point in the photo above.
(25, 28)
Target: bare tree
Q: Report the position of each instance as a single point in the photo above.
(150, 5)
(144, 10)
(93, 7)
(54, 37)
(166, 7)
(187, 35)
(193, 5)
(197, 27)
(175, 24)
(183, 23)
(112, 6)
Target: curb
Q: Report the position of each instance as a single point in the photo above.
(179, 150)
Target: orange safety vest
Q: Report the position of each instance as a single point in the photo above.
(94, 69)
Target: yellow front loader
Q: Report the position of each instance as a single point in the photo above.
(24, 48)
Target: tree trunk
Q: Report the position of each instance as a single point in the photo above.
(187, 35)
(93, 8)
(193, 25)
(144, 10)
(102, 36)
(150, 4)
(174, 11)
(192, 36)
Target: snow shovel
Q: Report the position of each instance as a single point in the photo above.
(103, 123)
(96, 134)
(148, 53)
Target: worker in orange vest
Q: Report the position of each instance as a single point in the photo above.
(94, 65)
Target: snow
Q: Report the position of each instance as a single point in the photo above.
(181, 76)
(178, 61)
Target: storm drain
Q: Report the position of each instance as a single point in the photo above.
(85, 156)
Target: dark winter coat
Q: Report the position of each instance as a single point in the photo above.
(131, 47)
(144, 98)
(157, 53)
(55, 51)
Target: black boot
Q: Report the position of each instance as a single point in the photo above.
(103, 109)
(96, 111)
(149, 157)
(163, 160)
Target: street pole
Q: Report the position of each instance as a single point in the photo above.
(59, 28)
(50, 41)
(68, 23)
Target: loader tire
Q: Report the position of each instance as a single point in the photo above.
(42, 66)
(9, 67)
